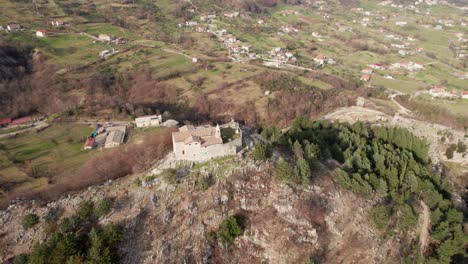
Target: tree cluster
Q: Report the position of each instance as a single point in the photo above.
(77, 239)
(388, 164)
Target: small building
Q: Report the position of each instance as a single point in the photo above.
(367, 71)
(41, 33)
(114, 139)
(206, 142)
(148, 121)
(56, 22)
(5, 122)
(104, 37)
(90, 143)
(12, 27)
(365, 77)
(22, 120)
(464, 94)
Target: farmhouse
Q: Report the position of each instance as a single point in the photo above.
(148, 121)
(206, 142)
(465, 94)
(90, 143)
(41, 33)
(12, 27)
(104, 37)
(5, 122)
(22, 120)
(56, 22)
(365, 77)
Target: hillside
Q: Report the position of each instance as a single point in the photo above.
(352, 118)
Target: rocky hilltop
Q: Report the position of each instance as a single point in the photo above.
(175, 222)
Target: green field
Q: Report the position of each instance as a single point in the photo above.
(28, 159)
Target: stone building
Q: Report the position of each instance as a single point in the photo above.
(206, 142)
(148, 121)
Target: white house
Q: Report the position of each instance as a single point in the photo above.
(148, 121)
(41, 33)
(104, 37)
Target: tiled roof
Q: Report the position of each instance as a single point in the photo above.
(188, 131)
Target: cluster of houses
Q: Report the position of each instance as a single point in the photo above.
(443, 92)
(409, 66)
(282, 55)
(107, 136)
(322, 60)
(112, 40)
(12, 27)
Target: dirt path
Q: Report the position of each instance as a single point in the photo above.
(424, 232)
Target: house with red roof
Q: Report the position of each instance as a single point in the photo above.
(90, 143)
(464, 94)
(22, 120)
(5, 122)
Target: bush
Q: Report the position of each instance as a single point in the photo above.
(21, 259)
(103, 207)
(229, 230)
(261, 152)
(29, 221)
(380, 216)
(137, 182)
(85, 210)
(449, 152)
(204, 182)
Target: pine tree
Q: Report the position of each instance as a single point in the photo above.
(383, 189)
(283, 170)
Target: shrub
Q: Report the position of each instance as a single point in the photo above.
(29, 221)
(261, 152)
(103, 206)
(229, 230)
(69, 225)
(21, 259)
(380, 216)
(449, 152)
(137, 182)
(85, 210)
(205, 182)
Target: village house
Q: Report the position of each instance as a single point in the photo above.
(441, 92)
(367, 71)
(104, 37)
(322, 60)
(115, 136)
(12, 27)
(401, 23)
(41, 33)
(56, 22)
(365, 77)
(119, 41)
(378, 66)
(90, 143)
(22, 121)
(409, 66)
(5, 122)
(148, 121)
(206, 142)
(464, 94)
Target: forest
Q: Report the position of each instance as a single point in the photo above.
(386, 164)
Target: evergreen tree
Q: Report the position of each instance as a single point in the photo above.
(283, 170)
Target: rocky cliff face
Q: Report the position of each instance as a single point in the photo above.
(175, 223)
